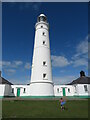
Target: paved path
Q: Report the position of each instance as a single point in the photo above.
(17, 98)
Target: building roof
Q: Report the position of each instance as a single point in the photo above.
(81, 80)
(4, 81)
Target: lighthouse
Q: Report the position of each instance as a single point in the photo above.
(41, 83)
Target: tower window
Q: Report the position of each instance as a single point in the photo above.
(43, 34)
(24, 90)
(44, 76)
(41, 26)
(44, 63)
(44, 42)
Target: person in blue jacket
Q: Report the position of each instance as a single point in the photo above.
(62, 102)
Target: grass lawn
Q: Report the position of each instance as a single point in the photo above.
(44, 109)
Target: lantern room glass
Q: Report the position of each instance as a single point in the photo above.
(42, 18)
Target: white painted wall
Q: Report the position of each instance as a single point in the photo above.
(81, 90)
(75, 90)
(27, 90)
(4, 89)
(60, 87)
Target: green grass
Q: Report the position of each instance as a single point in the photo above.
(44, 109)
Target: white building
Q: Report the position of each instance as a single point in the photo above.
(78, 88)
(41, 84)
(64, 90)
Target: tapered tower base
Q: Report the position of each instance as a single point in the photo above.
(41, 89)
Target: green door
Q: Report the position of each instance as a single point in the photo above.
(18, 92)
(64, 94)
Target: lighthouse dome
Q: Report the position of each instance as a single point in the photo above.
(42, 17)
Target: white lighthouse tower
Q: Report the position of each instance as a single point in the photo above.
(41, 77)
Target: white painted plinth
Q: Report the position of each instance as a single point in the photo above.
(41, 89)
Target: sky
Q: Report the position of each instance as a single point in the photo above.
(68, 36)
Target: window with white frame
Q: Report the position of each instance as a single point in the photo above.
(44, 76)
(85, 88)
(75, 89)
(12, 90)
(24, 90)
(44, 34)
(44, 43)
(44, 63)
(69, 90)
(58, 90)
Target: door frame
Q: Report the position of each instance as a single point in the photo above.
(64, 91)
(18, 92)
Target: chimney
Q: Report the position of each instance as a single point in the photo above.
(0, 73)
(82, 73)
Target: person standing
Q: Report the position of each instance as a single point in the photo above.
(62, 102)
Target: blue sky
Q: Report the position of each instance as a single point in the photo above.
(68, 39)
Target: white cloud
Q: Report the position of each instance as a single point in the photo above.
(10, 64)
(5, 63)
(63, 80)
(27, 66)
(80, 62)
(10, 71)
(59, 61)
(81, 56)
(62, 71)
(81, 49)
(18, 63)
